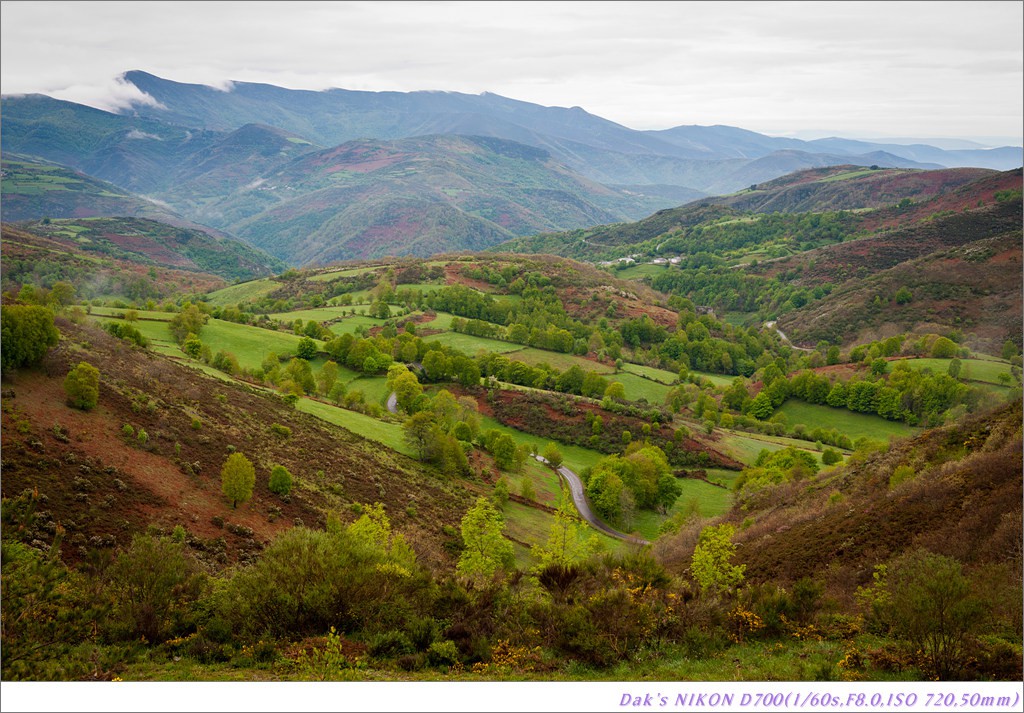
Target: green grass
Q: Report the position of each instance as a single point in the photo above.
(557, 360)
(419, 288)
(663, 375)
(471, 345)
(242, 292)
(156, 332)
(319, 314)
(737, 319)
(250, 345)
(442, 320)
(144, 314)
(640, 271)
(575, 458)
(716, 379)
(335, 274)
(705, 499)
(854, 425)
(970, 369)
(374, 388)
(350, 324)
(387, 434)
(639, 388)
(722, 476)
(745, 447)
(846, 176)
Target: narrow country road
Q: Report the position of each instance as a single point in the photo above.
(580, 499)
(784, 338)
(575, 487)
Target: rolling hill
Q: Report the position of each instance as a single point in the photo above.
(414, 196)
(234, 158)
(34, 189)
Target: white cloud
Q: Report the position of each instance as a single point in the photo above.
(942, 68)
(113, 95)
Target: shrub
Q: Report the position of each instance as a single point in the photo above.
(443, 653)
(931, 607)
(900, 474)
(830, 456)
(82, 386)
(127, 431)
(280, 430)
(280, 480)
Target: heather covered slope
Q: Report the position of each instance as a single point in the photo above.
(418, 196)
(959, 494)
(123, 485)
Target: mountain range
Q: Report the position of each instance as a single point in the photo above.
(317, 176)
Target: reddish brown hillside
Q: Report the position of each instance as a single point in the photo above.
(964, 501)
(103, 486)
(80, 267)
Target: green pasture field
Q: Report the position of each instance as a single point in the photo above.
(374, 388)
(970, 369)
(639, 388)
(156, 332)
(335, 274)
(318, 314)
(637, 272)
(470, 345)
(722, 476)
(242, 292)
(387, 434)
(250, 345)
(737, 319)
(144, 314)
(663, 375)
(708, 500)
(557, 360)
(745, 447)
(419, 287)
(846, 176)
(351, 323)
(716, 379)
(575, 458)
(442, 320)
(853, 424)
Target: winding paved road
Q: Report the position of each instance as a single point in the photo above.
(580, 499)
(575, 487)
(784, 338)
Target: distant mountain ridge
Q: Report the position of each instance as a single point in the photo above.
(233, 158)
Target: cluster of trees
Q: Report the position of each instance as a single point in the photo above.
(904, 394)
(28, 333)
(772, 468)
(364, 582)
(640, 478)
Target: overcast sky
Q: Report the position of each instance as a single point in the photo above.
(858, 69)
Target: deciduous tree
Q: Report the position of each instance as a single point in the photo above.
(237, 479)
(486, 550)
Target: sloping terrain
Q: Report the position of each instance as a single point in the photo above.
(847, 187)
(149, 242)
(419, 196)
(33, 189)
(103, 486)
(974, 287)
(963, 501)
(35, 259)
